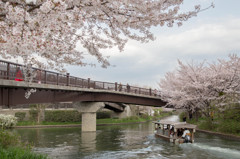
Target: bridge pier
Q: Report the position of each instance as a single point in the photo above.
(88, 110)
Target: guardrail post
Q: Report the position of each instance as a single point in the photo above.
(82, 84)
(76, 81)
(89, 83)
(8, 70)
(115, 86)
(67, 79)
(57, 78)
(45, 77)
(150, 91)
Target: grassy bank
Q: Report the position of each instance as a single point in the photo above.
(133, 119)
(223, 126)
(217, 124)
(12, 148)
(19, 153)
(33, 123)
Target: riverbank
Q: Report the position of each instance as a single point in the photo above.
(12, 148)
(75, 125)
(124, 141)
(228, 136)
(100, 122)
(227, 129)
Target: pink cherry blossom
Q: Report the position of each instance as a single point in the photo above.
(202, 86)
(46, 32)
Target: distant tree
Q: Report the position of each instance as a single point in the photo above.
(203, 86)
(47, 32)
(40, 111)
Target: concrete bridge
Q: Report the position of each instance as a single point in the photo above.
(88, 96)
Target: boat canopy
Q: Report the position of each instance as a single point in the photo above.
(176, 125)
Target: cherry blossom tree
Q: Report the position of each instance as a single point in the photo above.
(203, 86)
(47, 32)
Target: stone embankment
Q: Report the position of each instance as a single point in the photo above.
(228, 136)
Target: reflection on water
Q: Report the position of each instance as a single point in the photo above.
(125, 141)
(88, 141)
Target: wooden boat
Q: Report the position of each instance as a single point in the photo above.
(172, 131)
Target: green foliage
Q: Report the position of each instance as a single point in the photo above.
(19, 153)
(33, 106)
(33, 114)
(232, 113)
(8, 139)
(221, 93)
(229, 126)
(103, 115)
(27, 123)
(158, 111)
(59, 123)
(224, 126)
(20, 115)
(62, 116)
(145, 116)
(132, 119)
(12, 148)
(181, 115)
(208, 125)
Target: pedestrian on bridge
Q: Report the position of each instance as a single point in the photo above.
(19, 75)
(128, 88)
(120, 87)
(39, 76)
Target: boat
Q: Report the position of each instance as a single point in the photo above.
(173, 131)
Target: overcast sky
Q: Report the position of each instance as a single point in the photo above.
(213, 34)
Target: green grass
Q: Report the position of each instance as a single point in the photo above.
(19, 153)
(133, 119)
(218, 125)
(99, 121)
(32, 123)
(124, 120)
(11, 147)
(59, 123)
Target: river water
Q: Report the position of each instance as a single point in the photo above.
(130, 141)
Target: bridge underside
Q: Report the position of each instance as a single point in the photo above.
(15, 96)
(116, 107)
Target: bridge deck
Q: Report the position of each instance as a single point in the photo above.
(56, 87)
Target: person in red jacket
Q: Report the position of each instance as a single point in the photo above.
(19, 75)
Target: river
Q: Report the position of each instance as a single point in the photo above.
(125, 141)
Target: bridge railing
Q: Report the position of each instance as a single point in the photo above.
(10, 71)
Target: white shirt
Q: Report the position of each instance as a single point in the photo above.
(185, 132)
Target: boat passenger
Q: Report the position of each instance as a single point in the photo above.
(186, 135)
(179, 132)
(172, 132)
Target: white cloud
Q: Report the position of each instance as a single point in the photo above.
(204, 39)
(145, 64)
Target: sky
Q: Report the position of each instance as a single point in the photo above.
(212, 35)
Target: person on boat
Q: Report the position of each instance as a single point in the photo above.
(186, 135)
(179, 132)
(172, 132)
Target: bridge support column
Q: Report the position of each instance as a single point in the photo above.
(88, 110)
(89, 122)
